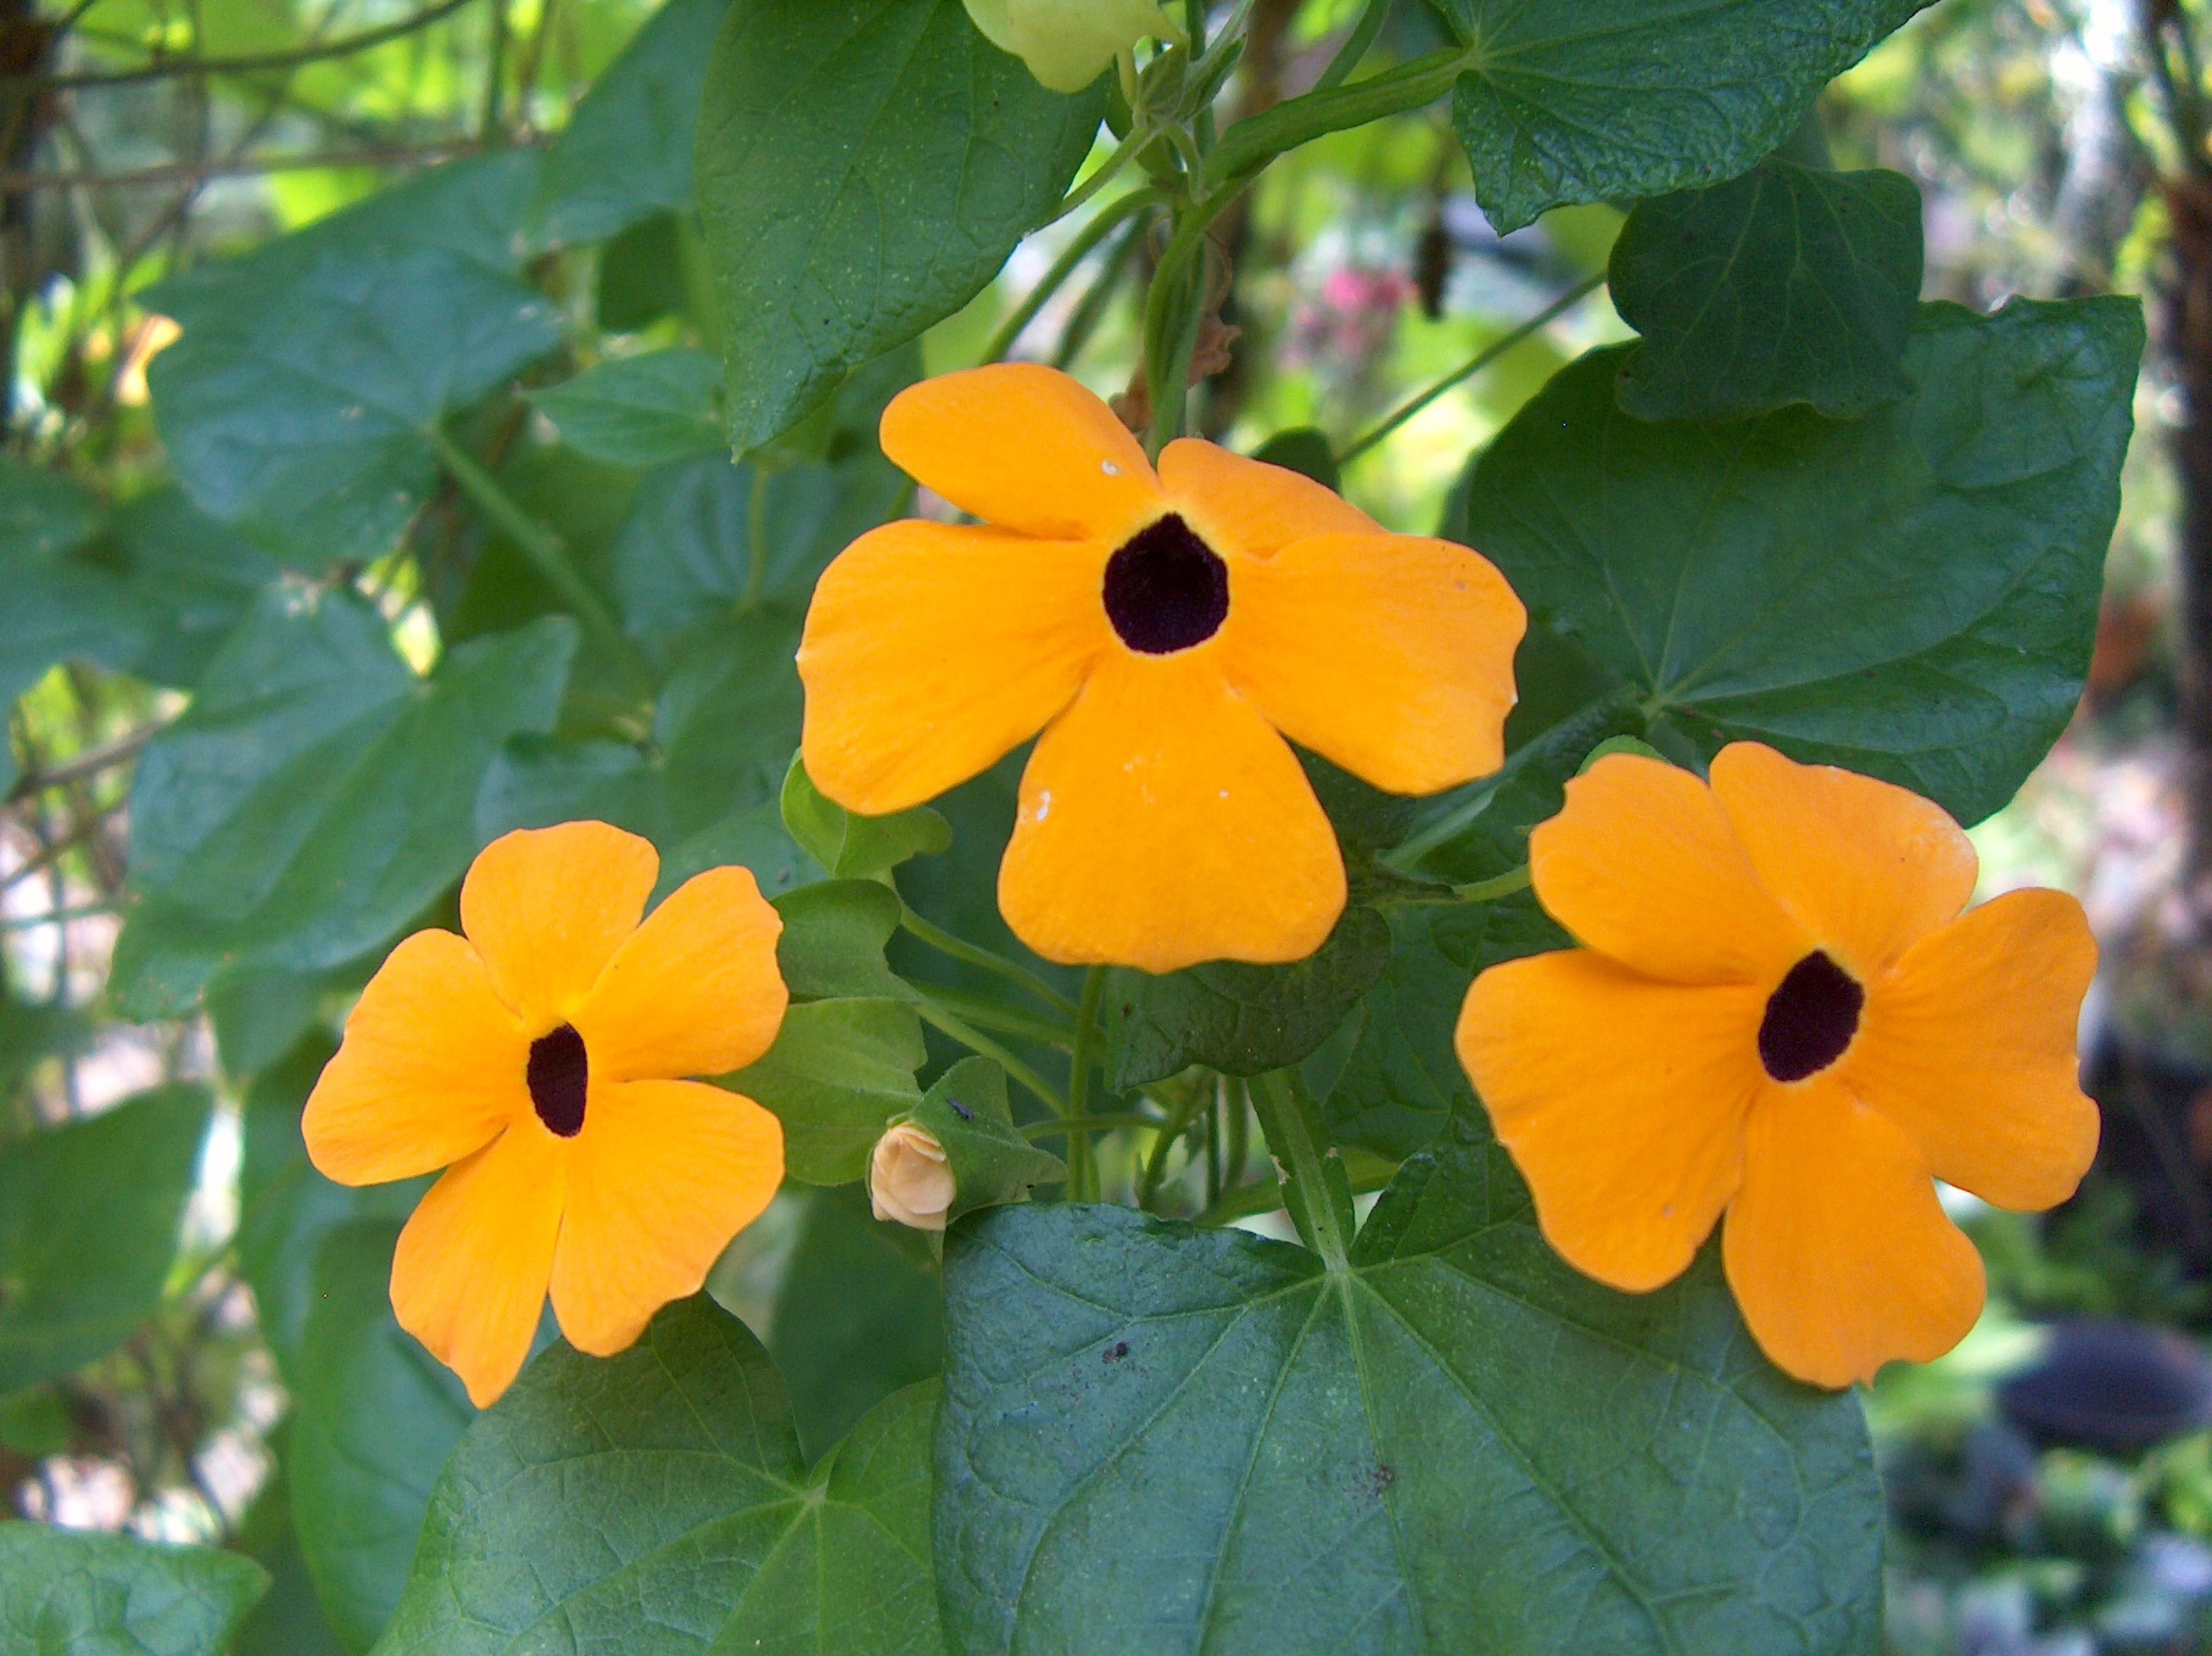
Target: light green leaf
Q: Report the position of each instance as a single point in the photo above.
(1913, 594)
(655, 1504)
(1786, 285)
(1180, 1439)
(75, 1592)
(833, 942)
(967, 1111)
(642, 410)
(89, 1219)
(849, 845)
(864, 167)
(1605, 100)
(838, 1072)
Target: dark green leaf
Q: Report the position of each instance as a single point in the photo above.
(1604, 100)
(374, 1416)
(1783, 286)
(642, 410)
(864, 167)
(849, 845)
(89, 1219)
(289, 1620)
(838, 1072)
(1155, 1436)
(1913, 594)
(1306, 450)
(55, 606)
(753, 838)
(967, 1111)
(655, 1504)
(75, 1592)
(833, 940)
(190, 578)
(640, 279)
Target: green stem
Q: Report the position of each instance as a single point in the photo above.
(541, 547)
(1104, 1123)
(941, 1017)
(1315, 1187)
(1172, 1130)
(1354, 49)
(1172, 315)
(989, 1014)
(1482, 359)
(1479, 891)
(1102, 225)
(1082, 1175)
(1140, 134)
(1092, 308)
(57, 916)
(959, 948)
(1247, 148)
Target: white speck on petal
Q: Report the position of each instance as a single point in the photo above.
(1109, 468)
(1225, 792)
(1044, 805)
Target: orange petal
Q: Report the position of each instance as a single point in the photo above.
(1863, 867)
(933, 650)
(662, 1175)
(1643, 866)
(548, 907)
(1391, 655)
(695, 991)
(1838, 1250)
(1164, 823)
(1623, 1101)
(1025, 448)
(432, 1067)
(1250, 507)
(470, 1276)
(1968, 1046)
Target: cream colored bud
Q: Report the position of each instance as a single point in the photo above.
(909, 1179)
(1068, 43)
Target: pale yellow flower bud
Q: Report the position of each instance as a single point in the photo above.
(909, 1180)
(1067, 43)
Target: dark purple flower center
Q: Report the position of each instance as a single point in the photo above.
(560, 1076)
(1166, 589)
(1810, 1018)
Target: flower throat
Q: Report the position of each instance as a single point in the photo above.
(1810, 1018)
(1166, 589)
(560, 1076)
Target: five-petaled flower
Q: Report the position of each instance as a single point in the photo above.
(536, 1058)
(1165, 630)
(1784, 1012)
(1067, 43)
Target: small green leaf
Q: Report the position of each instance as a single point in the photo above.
(753, 838)
(1783, 286)
(967, 1111)
(657, 1501)
(864, 167)
(76, 1592)
(834, 937)
(89, 1219)
(839, 1072)
(854, 847)
(641, 410)
(1306, 450)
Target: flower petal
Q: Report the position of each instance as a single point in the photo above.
(933, 650)
(1026, 447)
(548, 907)
(431, 1069)
(1163, 823)
(1863, 867)
(662, 1175)
(1391, 655)
(1622, 1100)
(1968, 1046)
(695, 991)
(1838, 1250)
(470, 1276)
(1643, 866)
(1248, 506)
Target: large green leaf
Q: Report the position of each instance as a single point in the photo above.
(655, 1504)
(1913, 594)
(1786, 285)
(642, 410)
(289, 1620)
(374, 1416)
(837, 1074)
(864, 167)
(190, 578)
(55, 605)
(1163, 1438)
(317, 794)
(1577, 100)
(90, 1218)
(75, 1592)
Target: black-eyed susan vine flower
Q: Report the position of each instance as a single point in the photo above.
(1166, 630)
(1784, 1013)
(1067, 44)
(537, 1058)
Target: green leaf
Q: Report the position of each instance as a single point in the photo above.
(1180, 1439)
(655, 1503)
(641, 410)
(317, 795)
(76, 1592)
(1605, 100)
(374, 1416)
(839, 1072)
(626, 152)
(1786, 285)
(833, 942)
(849, 845)
(967, 1111)
(864, 167)
(191, 579)
(289, 1620)
(90, 1215)
(753, 838)
(641, 277)
(1306, 450)
(1239, 1019)
(58, 606)
(1913, 595)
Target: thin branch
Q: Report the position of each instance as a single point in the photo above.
(13, 183)
(90, 763)
(251, 63)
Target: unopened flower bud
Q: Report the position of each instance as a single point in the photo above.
(1066, 43)
(909, 1179)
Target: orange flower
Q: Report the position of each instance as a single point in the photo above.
(1165, 630)
(1782, 1014)
(534, 1059)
